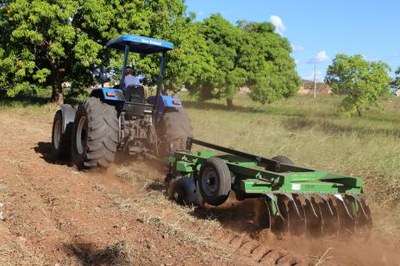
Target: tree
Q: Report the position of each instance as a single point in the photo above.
(360, 80)
(251, 54)
(265, 56)
(48, 42)
(223, 41)
(395, 83)
(190, 64)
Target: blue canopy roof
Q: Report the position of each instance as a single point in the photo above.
(139, 44)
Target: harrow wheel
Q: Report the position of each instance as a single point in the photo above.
(215, 181)
(283, 159)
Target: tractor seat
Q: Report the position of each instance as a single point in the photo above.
(134, 93)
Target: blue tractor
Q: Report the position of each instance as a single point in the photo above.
(121, 118)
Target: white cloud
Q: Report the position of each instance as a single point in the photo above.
(278, 23)
(297, 48)
(322, 56)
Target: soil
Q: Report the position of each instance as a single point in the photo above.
(53, 214)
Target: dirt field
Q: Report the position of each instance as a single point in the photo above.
(55, 215)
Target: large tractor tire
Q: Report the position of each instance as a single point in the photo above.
(174, 129)
(62, 132)
(95, 134)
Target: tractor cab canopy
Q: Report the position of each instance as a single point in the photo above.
(140, 44)
(143, 45)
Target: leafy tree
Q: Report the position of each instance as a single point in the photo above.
(223, 41)
(251, 54)
(360, 80)
(191, 64)
(396, 80)
(48, 42)
(265, 56)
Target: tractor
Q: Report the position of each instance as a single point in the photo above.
(122, 119)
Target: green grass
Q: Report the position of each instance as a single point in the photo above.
(308, 130)
(313, 134)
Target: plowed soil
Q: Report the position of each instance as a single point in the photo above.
(53, 214)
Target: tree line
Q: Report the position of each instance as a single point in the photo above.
(46, 43)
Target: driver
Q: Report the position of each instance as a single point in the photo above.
(130, 79)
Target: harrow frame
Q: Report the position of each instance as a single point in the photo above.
(289, 191)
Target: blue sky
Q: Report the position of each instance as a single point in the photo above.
(318, 30)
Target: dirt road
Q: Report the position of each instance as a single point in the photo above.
(56, 215)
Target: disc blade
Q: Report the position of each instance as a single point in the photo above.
(329, 218)
(346, 221)
(296, 217)
(313, 218)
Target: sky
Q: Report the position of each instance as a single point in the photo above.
(319, 30)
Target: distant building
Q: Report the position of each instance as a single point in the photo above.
(308, 88)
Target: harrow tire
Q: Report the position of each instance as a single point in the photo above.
(182, 190)
(283, 159)
(94, 135)
(61, 141)
(215, 181)
(174, 129)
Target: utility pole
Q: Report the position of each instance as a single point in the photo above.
(315, 78)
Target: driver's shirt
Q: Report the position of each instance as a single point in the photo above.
(131, 80)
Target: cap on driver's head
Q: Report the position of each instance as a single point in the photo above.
(128, 70)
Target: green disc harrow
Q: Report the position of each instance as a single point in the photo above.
(292, 198)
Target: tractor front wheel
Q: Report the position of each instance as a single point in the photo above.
(62, 131)
(95, 134)
(60, 141)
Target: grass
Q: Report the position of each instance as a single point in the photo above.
(313, 134)
(309, 132)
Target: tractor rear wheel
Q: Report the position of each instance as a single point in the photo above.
(174, 128)
(215, 181)
(95, 134)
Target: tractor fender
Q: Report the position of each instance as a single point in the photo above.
(111, 96)
(166, 102)
(68, 116)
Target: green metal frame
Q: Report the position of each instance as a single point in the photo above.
(252, 178)
(297, 199)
